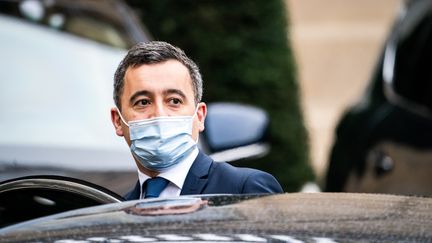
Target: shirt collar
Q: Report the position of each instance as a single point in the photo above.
(177, 174)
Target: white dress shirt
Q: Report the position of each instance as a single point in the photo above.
(175, 175)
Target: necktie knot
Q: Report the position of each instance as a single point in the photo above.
(154, 186)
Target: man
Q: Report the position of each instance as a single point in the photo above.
(157, 91)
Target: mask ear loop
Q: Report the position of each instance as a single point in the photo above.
(121, 117)
(196, 110)
(193, 117)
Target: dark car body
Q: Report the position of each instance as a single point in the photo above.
(383, 144)
(297, 217)
(58, 209)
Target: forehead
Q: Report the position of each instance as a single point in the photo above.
(170, 74)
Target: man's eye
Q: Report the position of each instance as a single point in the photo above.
(143, 102)
(175, 101)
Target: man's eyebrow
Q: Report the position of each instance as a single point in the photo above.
(139, 93)
(175, 91)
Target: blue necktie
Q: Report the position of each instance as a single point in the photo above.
(154, 186)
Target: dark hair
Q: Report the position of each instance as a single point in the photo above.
(151, 53)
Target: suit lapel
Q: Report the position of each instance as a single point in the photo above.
(135, 193)
(196, 180)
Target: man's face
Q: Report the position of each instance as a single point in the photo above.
(162, 89)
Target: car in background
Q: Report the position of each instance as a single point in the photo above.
(57, 66)
(384, 143)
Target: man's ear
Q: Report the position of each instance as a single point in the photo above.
(201, 115)
(116, 121)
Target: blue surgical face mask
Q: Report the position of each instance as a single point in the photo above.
(161, 142)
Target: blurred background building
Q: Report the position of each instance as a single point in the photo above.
(336, 45)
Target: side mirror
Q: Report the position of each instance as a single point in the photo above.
(234, 132)
(406, 71)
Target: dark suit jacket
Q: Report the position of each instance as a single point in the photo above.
(209, 177)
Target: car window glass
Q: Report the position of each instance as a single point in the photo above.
(98, 23)
(95, 30)
(412, 72)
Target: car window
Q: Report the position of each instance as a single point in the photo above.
(95, 30)
(107, 22)
(412, 74)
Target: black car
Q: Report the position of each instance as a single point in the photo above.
(62, 209)
(384, 143)
(296, 217)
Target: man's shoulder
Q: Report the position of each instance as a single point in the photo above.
(241, 173)
(224, 167)
(251, 180)
(223, 177)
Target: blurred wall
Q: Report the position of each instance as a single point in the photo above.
(336, 44)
